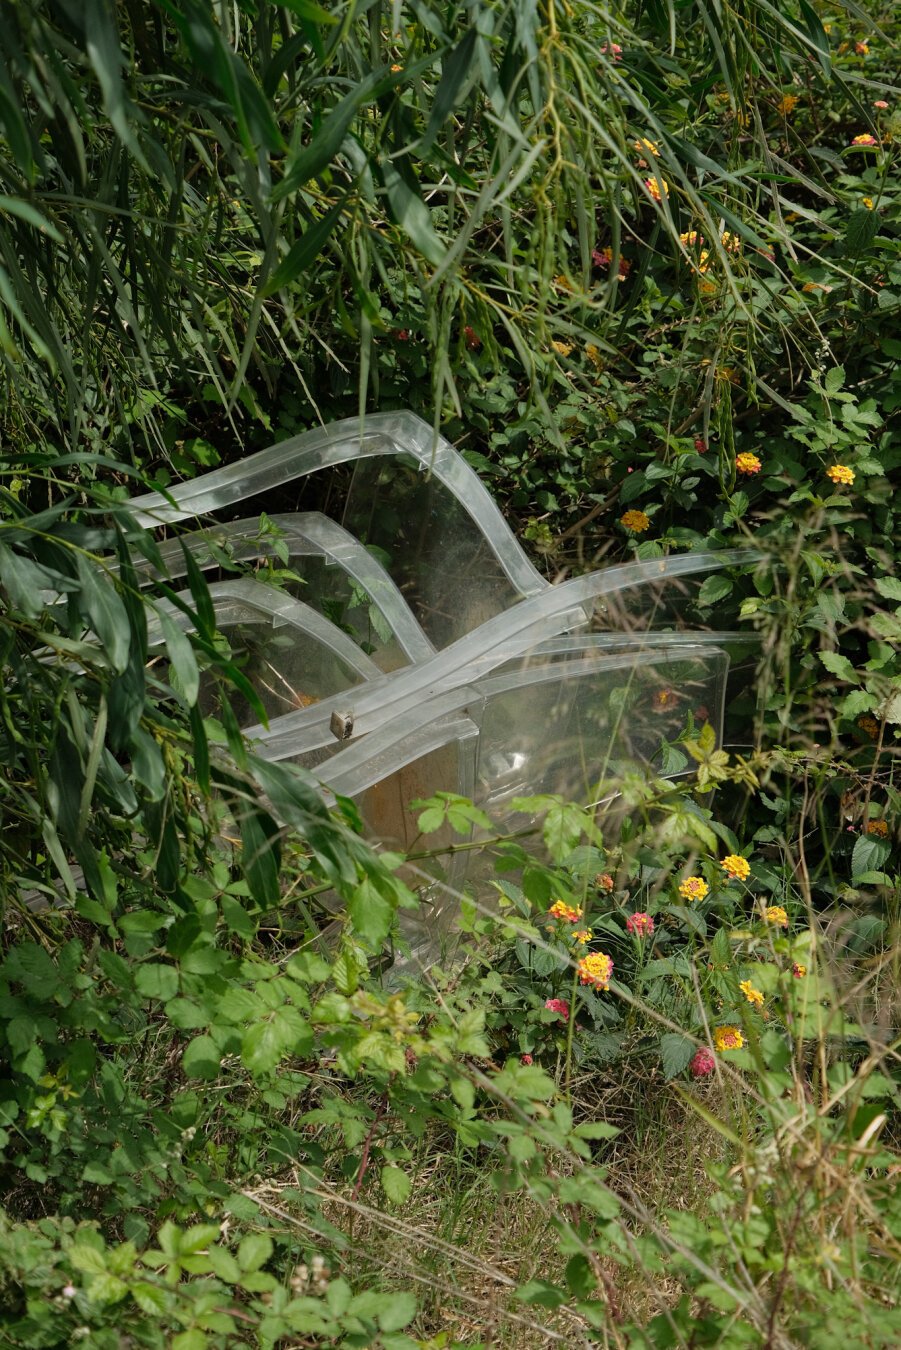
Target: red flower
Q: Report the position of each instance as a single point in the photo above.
(558, 1005)
(473, 341)
(402, 334)
(700, 446)
(525, 1059)
(702, 1064)
(641, 924)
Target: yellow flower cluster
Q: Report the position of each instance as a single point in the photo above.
(879, 827)
(730, 242)
(787, 104)
(690, 238)
(747, 463)
(840, 473)
(775, 914)
(647, 147)
(561, 910)
(594, 355)
(693, 888)
(563, 348)
(582, 935)
(754, 996)
(636, 521)
(736, 867)
(595, 969)
(727, 1038)
(658, 187)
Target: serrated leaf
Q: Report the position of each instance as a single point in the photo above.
(890, 587)
(870, 852)
(254, 1251)
(835, 377)
(155, 980)
(201, 1058)
(676, 1052)
(396, 1184)
(839, 666)
(713, 590)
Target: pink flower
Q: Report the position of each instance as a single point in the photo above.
(402, 334)
(614, 50)
(865, 139)
(880, 103)
(700, 445)
(702, 1064)
(525, 1059)
(69, 1291)
(641, 924)
(558, 1005)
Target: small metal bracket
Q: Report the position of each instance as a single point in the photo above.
(341, 725)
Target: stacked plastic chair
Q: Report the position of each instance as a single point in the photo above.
(414, 648)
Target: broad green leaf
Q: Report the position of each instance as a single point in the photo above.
(396, 1184)
(155, 980)
(201, 1058)
(254, 1251)
(675, 1053)
(870, 852)
(713, 590)
(839, 666)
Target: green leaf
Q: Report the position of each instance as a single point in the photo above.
(455, 69)
(181, 658)
(542, 1294)
(870, 852)
(713, 590)
(889, 587)
(254, 1251)
(155, 980)
(835, 377)
(839, 666)
(399, 1311)
(201, 1058)
(410, 211)
(397, 1186)
(371, 914)
(676, 1053)
(305, 250)
(328, 137)
(308, 10)
(103, 606)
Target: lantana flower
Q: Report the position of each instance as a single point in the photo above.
(728, 1038)
(604, 882)
(658, 187)
(736, 867)
(865, 139)
(582, 935)
(730, 242)
(645, 147)
(776, 915)
(636, 521)
(690, 238)
(561, 910)
(663, 700)
(840, 473)
(754, 996)
(787, 104)
(693, 888)
(879, 827)
(747, 463)
(558, 1005)
(640, 924)
(562, 348)
(612, 49)
(798, 970)
(595, 969)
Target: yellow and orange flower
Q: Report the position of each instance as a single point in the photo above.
(727, 1038)
(693, 888)
(736, 867)
(775, 914)
(840, 473)
(754, 996)
(658, 187)
(595, 969)
(787, 104)
(582, 935)
(561, 910)
(747, 463)
(865, 139)
(879, 827)
(636, 521)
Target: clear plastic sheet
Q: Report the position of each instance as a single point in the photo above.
(415, 649)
